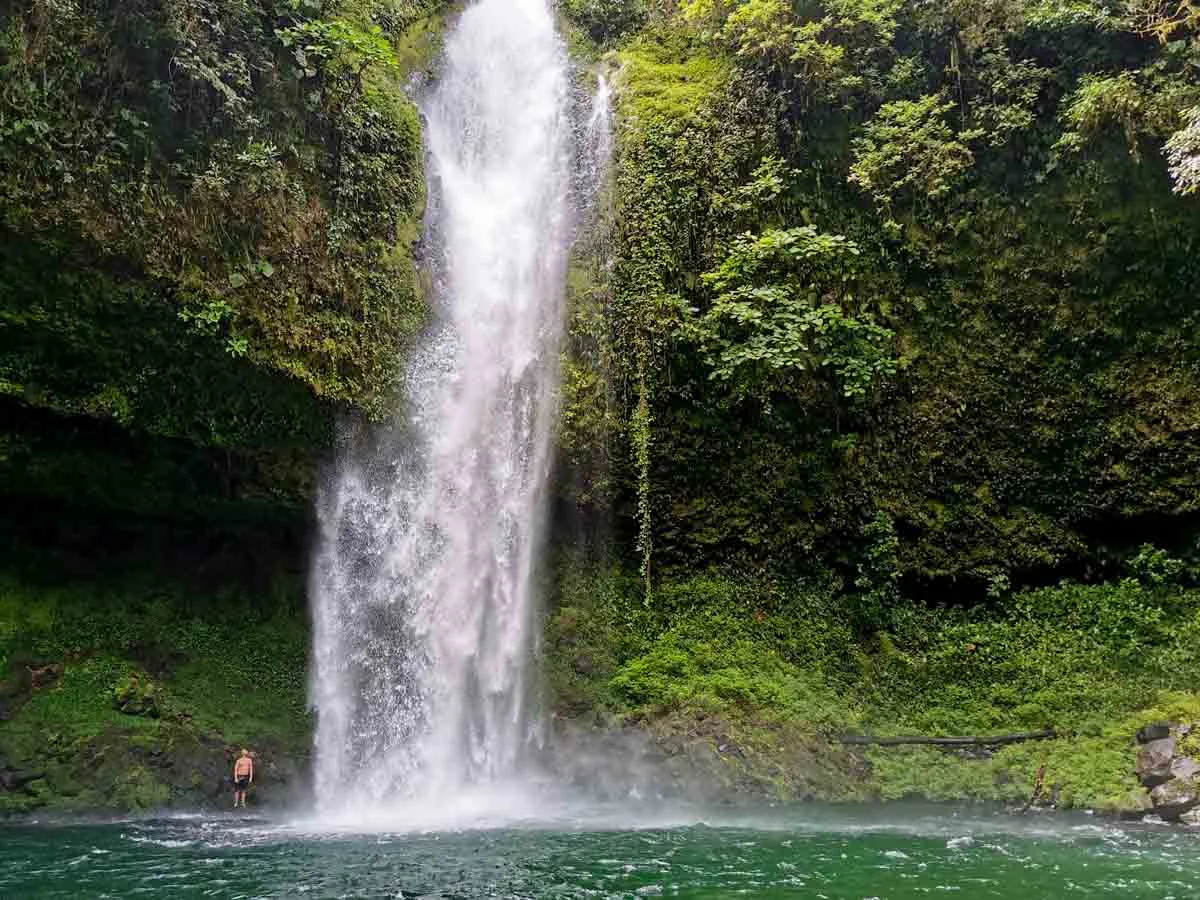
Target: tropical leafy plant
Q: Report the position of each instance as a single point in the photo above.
(785, 306)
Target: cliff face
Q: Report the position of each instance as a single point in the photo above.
(896, 359)
(207, 211)
(207, 218)
(902, 268)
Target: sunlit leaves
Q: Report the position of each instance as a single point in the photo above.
(338, 45)
(785, 305)
(909, 149)
(1183, 155)
(1006, 93)
(1165, 19)
(1126, 100)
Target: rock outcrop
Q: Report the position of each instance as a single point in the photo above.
(1168, 772)
(1154, 761)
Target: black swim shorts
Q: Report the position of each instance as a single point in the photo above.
(241, 784)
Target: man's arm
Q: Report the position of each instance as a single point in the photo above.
(252, 771)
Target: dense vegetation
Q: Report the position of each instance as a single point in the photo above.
(207, 211)
(901, 332)
(880, 412)
(207, 217)
(137, 661)
(889, 267)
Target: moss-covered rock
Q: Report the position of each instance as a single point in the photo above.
(127, 687)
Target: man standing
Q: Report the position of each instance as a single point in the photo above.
(243, 777)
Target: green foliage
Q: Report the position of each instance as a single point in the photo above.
(808, 53)
(715, 675)
(667, 110)
(1087, 773)
(250, 166)
(135, 695)
(1014, 330)
(667, 84)
(1076, 657)
(605, 21)
(340, 48)
(207, 209)
(79, 343)
(1156, 567)
(706, 644)
(909, 150)
(783, 306)
(1096, 662)
(157, 677)
(1141, 109)
(878, 572)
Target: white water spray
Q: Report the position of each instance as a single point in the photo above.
(423, 596)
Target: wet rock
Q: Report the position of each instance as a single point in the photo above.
(136, 695)
(16, 779)
(1135, 803)
(1156, 731)
(975, 753)
(1154, 761)
(1175, 797)
(1191, 817)
(1186, 768)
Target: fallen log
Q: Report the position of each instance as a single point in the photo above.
(16, 780)
(987, 741)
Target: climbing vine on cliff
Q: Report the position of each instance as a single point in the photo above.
(921, 263)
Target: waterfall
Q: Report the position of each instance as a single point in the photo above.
(423, 584)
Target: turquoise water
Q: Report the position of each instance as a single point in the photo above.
(884, 854)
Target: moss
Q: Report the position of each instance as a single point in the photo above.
(156, 683)
(1081, 773)
(419, 45)
(257, 216)
(663, 80)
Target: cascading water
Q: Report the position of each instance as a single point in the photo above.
(423, 597)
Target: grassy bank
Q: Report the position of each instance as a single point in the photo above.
(750, 672)
(131, 689)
